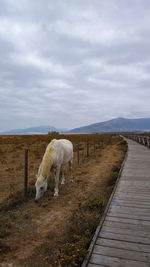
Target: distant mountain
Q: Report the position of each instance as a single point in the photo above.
(32, 130)
(115, 125)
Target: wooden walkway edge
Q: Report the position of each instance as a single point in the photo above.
(122, 238)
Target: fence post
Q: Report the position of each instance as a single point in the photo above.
(87, 149)
(94, 147)
(25, 171)
(99, 144)
(78, 155)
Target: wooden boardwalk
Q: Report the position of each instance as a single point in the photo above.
(123, 238)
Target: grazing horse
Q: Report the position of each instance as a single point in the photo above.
(58, 153)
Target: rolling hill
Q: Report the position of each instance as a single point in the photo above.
(34, 130)
(116, 125)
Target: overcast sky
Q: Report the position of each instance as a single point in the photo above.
(70, 63)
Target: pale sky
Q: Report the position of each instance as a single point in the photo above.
(70, 63)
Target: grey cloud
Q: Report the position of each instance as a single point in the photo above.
(72, 63)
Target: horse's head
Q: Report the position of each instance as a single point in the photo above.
(41, 187)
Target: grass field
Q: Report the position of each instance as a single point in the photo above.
(12, 157)
(56, 231)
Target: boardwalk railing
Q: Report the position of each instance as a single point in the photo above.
(144, 140)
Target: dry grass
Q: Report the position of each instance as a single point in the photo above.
(12, 157)
(58, 230)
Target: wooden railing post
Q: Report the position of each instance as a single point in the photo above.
(148, 141)
(25, 171)
(143, 141)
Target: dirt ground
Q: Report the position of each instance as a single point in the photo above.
(32, 234)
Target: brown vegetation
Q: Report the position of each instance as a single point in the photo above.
(12, 157)
(57, 231)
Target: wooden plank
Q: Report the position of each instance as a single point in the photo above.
(129, 210)
(131, 199)
(122, 225)
(128, 221)
(123, 245)
(122, 253)
(126, 193)
(137, 200)
(137, 191)
(130, 204)
(137, 173)
(129, 171)
(113, 229)
(133, 179)
(133, 164)
(123, 237)
(123, 190)
(134, 191)
(133, 182)
(134, 197)
(115, 262)
(138, 210)
(129, 216)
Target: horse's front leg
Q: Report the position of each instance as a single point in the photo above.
(53, 173)
(56, 190)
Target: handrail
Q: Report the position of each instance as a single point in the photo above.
(144, 140)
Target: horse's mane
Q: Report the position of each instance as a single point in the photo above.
(47, 162)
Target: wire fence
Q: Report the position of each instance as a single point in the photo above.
(19, 164)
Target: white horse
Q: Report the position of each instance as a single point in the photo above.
(58, 153)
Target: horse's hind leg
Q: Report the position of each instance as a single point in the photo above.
(70, 169)
(62, 175)
(57, 181)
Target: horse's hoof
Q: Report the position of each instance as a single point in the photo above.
(56, 194)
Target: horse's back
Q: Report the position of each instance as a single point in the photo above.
(63, 150)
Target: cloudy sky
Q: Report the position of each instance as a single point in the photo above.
(70, 63)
